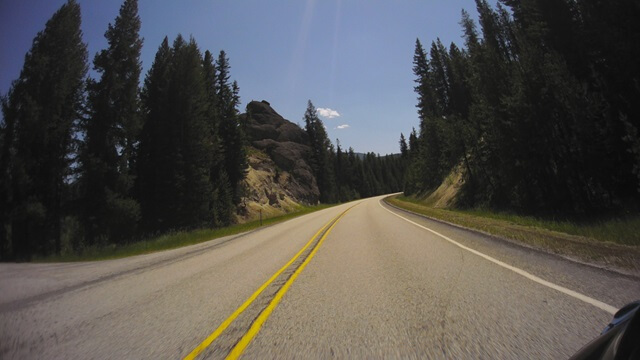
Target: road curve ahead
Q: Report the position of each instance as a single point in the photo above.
(359, 280)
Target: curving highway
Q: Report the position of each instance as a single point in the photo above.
(359, 280)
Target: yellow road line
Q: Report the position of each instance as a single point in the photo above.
(225, 324)
(264, 315)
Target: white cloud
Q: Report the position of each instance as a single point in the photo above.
(327, 113)
(343, 126)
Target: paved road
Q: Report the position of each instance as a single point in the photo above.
(374, 286)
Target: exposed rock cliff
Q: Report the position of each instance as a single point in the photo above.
(279, 176)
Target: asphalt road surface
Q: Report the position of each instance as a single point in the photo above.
(371, 282)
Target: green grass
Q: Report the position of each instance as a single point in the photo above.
(174, 239)
(621, 230)
(611, 242)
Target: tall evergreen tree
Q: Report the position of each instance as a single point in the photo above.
(230, 131)
(222, 195)
(430, 110)
(111, 133)
(404, 148)
(439, 79)
(40, 112)
(610, 33)
(6, 144)
(176, 144)
(423, 86)
(320, 153)
(190, 110)
(156, 154)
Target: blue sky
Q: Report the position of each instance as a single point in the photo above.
(352, 57)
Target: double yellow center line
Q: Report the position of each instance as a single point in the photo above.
(264, 315)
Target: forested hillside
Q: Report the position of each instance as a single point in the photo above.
(343, 176)
(540, 107)
(92, 162)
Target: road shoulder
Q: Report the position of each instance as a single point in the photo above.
(617, 258)
(613, 287)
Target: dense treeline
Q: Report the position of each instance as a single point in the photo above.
(90, 162)
(40, 112)
(102, 161)
(344, 176)
(540, 110)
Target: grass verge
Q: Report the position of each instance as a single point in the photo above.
(174, 240)
(612, 244)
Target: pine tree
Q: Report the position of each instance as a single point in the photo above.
(189, 111)
(7, 125)
(320, 153)
(40, 112)
(230, 131)
(222, 197)
(338, 167)
(404, 148)
(439, 80)
(610, 33)
(176, 144)
(156, 155)
(111, 133)
(423, 87)
(429, 110)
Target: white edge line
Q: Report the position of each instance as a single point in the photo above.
(599, 304)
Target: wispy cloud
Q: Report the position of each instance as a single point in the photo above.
(327, 113)
(343, 126)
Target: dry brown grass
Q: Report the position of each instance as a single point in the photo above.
(445, 195)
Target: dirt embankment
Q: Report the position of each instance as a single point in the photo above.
(441, 205)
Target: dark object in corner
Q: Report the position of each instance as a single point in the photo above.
(619, 340)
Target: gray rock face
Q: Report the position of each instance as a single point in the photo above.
(266, 123)
(286, 144)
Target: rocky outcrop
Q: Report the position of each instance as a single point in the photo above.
(262, 122)
(269, 191)
(287, 146)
